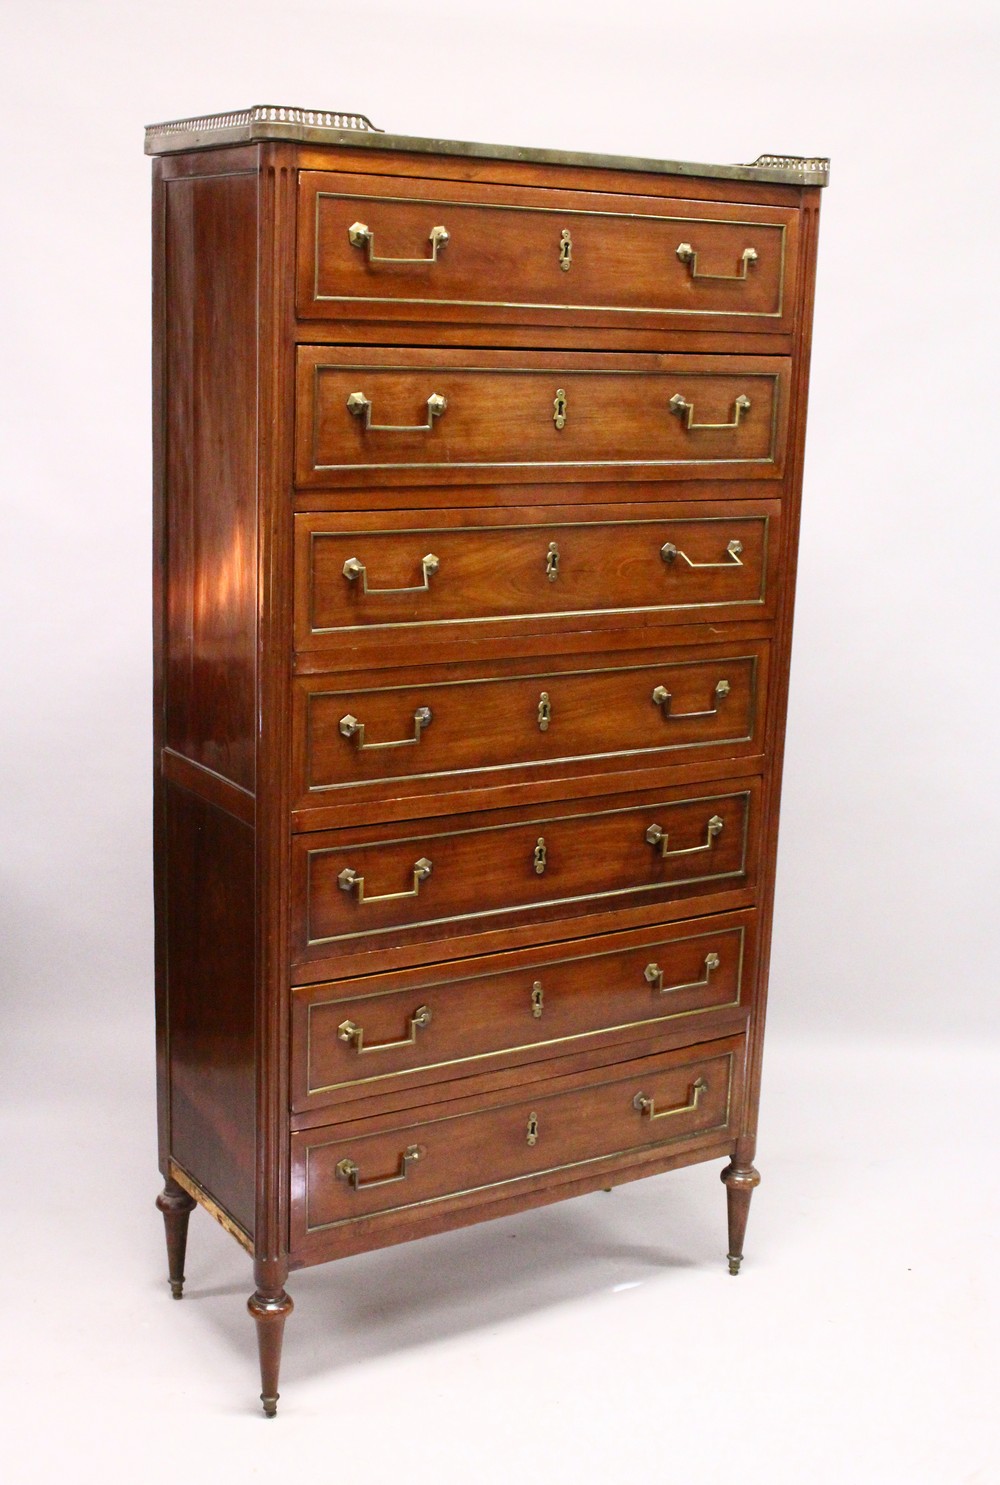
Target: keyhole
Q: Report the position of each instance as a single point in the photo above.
(565, 250)
(537, 1000)
(559, 406)
(540, 855)
(532, 1129)
(544, 712)
(552, 561)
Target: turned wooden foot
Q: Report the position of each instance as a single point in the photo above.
(739, 1182)
(176, 1206)
(270, 1311)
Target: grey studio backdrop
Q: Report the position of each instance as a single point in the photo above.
(886, 917)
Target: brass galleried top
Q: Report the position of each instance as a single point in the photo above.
(318, 126)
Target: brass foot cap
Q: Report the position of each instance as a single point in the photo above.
(270, 1405)
(177, 1288)
(734, 1263)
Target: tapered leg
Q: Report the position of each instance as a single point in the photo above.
(739, 1182)
(176, 1206)
(270, 1311)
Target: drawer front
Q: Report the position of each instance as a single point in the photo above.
(671, 562)
(648, 1103)
(526, 716)
(354, 1039)
(379, 415)
(394, 883)
(474, 254)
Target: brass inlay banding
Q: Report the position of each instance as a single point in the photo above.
(430, 1201)
(607, 463)
(519, 616)
(190, 1185)
(503, 909)
(537, 1002)
(645, 309)
(536, 762)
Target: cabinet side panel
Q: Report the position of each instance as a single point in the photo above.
(210, 467)
(210, 959)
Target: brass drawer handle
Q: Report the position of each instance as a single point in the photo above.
(361, 407)
(350, 1031)
(362, 236)
(645, 1105)
(685, 410)
(662, 699)
(687, 255)
(653, 975)
(349, 879)
(657, 836)
(347, 1170)
(670, 553)
(354, 568)
(351, 727)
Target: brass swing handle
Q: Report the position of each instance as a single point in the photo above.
(657, 836)
(662, 699)
(653, 975)
(685, 411)
(349, 879)
(350, 1031)
(644, 1105)
(687, 255)
(354, 568)
(347, 1170)
(361, 407)
(670, 553)
(351, 727)
(362, 236)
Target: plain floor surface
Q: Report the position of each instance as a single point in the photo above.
(600, 1339)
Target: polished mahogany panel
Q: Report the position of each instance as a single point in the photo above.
(518, 719)
(386, 1033)
(341, 1175)
(661, 563)
(209, 860)
(210, 537)
(364, 415)
(369, 247)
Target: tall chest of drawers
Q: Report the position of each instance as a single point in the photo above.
(477, 479)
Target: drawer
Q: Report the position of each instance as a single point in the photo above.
(423, 880)
(512, 721)
(378, 415)
(565, 1124)
(667, 563)
(386, 1034)
(471, 253)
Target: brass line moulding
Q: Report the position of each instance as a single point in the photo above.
(268, 121)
